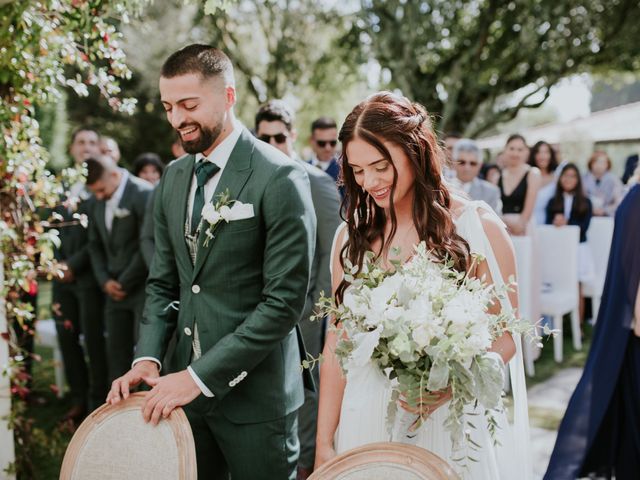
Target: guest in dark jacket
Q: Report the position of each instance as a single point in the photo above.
(570, 206)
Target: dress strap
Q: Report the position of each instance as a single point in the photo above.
(469, 226)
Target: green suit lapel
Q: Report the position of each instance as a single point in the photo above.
(234, 177)
(182, 185)
(124, 203)
(100, 208)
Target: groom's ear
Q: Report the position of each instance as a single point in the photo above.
(230, 93)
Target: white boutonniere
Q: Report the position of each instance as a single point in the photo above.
(121, 213)
(226, 210)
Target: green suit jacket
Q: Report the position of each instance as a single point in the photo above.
(247, 288)
(116, 255)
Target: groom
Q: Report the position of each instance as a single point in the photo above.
(241, 288)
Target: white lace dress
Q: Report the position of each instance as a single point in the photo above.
(367, 393)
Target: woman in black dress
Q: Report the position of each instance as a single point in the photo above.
(519, 185)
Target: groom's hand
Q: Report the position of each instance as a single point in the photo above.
(120, 386)
(168, 392)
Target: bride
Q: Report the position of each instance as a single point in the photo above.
(395, 199)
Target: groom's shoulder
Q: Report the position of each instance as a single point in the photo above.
(178, 164)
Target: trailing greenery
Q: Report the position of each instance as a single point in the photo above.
(45, 47)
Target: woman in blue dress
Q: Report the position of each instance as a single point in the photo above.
(600, 433)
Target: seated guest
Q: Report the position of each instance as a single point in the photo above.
(570, 206)
(467, 163)
(544, 157)
(603, 188)
(519, 185)
(491, 173)
(149, 167)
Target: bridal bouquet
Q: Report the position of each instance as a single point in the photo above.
(427, 326)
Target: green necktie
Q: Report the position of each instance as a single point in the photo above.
(204, 171)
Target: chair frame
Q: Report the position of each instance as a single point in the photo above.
(557, 317)
(387, 452)
(599, 225)
(187, 469)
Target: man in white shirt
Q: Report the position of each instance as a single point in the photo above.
(115, 224)
(467, 164)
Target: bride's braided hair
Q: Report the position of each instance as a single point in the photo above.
(384, 117)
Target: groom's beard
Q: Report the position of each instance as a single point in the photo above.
(207, 137)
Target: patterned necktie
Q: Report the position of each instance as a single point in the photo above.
(204, 171)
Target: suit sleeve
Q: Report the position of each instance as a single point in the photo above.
(496, 201)
(158, 322)
(326, 203)
(136, 272)
(97, 251)
(289, 220)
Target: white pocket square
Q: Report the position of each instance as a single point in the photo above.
(121, 213)
(241, 211)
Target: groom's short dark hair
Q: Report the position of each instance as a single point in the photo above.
(206, 60)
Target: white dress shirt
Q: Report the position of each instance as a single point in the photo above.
(320, 164)
(219, 156)
(111, 205)
(568, 205)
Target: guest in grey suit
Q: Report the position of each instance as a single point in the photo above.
(274, 125)
(467, 162)
(115, 225)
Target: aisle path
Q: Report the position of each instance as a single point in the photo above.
(547, 402)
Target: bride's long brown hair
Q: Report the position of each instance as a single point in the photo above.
(386, 117)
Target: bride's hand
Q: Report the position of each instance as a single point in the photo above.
(430, 403)
(324, 453)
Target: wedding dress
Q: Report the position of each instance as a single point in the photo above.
(368, 390)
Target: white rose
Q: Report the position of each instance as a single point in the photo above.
(225, 213)
(210, 214)
(420, 311)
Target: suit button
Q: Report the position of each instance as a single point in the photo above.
(187, 331)
(195, 289)
(243, 374)
(232, 383)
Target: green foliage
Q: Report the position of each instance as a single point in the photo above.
(462, 59)
(304, 52)
(45, 47)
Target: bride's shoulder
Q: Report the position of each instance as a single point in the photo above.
(464, 210)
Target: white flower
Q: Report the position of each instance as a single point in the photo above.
(425, 333)
(210, 214)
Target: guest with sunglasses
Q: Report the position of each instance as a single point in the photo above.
(467, 164)
(324, 143)
(274, 125)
